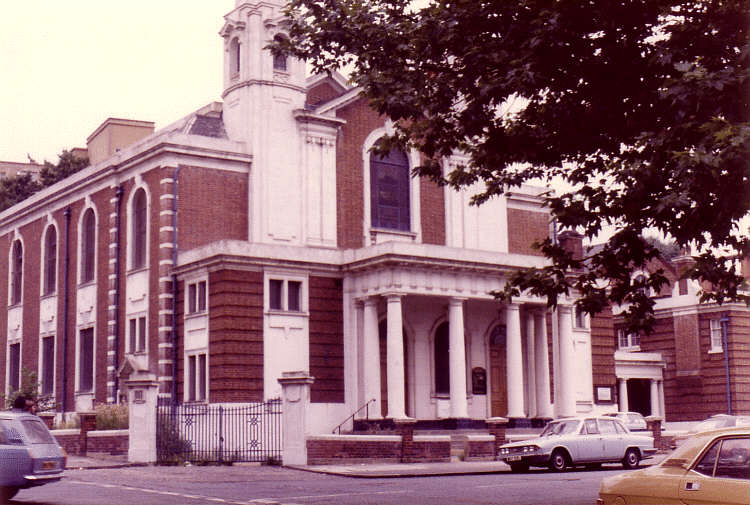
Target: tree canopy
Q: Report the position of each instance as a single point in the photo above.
(639, 107)
(17, 188)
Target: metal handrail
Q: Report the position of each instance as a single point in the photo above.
(367, 416)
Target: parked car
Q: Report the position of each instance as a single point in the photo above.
(711, 467)
(634, 421)
(29, 454)
(579, 441)
(712, 423)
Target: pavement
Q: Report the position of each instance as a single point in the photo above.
(364, 470)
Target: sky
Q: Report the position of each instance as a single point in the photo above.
(66, 66)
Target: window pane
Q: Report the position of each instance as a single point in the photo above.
(202, 296)
(191, 299)
(294, 294)
(202, 374)
(14, 367)
(17, 275)
(87, 247)
(442, 371)
(37, 432)
(50, 264)
(139, 229)
(86, 360)
(191, 378)
(141, 334)
(274, 296)
(607, 426)
(389, 191)
(132, 335)
(48, 365)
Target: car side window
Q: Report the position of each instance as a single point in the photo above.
(590, 425)
(734, 459)
(620, 428)
(607, 426)
(10, 433)
(707, 463)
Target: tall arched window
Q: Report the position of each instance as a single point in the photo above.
(139, 231)
(389, 191)
(16, 275)
(279, 60)
(50, 261)
(88, 246)
(442, 360)
(234, 56)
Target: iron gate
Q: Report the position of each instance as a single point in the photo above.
(218, 433)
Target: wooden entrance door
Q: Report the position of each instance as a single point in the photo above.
(498, 373)
(383, 330)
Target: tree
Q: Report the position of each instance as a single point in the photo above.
(639, 107)
(16, 188)
(67, 164)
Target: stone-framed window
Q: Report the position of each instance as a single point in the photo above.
(16, 272)
(139, 230)
(49, 274)
(390, 202)
(88, 247)
(196, 377)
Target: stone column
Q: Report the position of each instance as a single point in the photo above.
(142, 388)
(514, 358)
(530, 360)
(623, 394)
(457, 359)
(295, 392)
(395, 345)
(654, 398)
(543, 404)
(566, 403)
(371, 356)
(662, 408)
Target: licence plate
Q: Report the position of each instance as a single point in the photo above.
(49, 465)
(513, 458)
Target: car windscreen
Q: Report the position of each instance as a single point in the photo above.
(560, 428)
(37, 432)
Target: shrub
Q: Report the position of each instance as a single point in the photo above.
(112, 416)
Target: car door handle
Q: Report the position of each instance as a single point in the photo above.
(692, 486)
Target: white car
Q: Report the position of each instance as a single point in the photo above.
(570, 442)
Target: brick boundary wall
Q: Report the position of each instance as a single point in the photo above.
(350, 449)
(114, 442)
(479, 448)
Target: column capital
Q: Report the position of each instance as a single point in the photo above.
(513, 306)
(457, 300)
(393, 294)
(368, 300)
(565, 309)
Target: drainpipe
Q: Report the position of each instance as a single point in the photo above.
(174, 284)
(724, 322)
(66, 280)
(116, 301)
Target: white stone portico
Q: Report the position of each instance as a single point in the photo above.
(410, 290)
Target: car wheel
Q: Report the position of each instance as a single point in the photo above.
(631, 460)
(519, 467)
(7, 492)
(559, 461)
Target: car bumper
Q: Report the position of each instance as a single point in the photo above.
(526, 459)
(38, 480)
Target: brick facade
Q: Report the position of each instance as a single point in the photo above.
(326, 340)
(524, 229)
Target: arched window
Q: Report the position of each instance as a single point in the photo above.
(234, 56)
(50, 261)
(389, 191)
(88, 246)
(442, 360)
(139, 230)
(279, 60)
(16, 275)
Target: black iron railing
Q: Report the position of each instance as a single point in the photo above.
(216, 433)
(366, 406)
